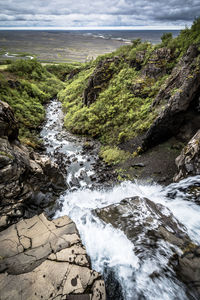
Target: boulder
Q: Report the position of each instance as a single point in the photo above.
(41, 259)
(148, 225)
(99, 79)
(188, 162)
(140, 216)
(177, 96)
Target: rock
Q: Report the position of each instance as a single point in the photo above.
(138, 165)
(43, 259)
(24, 174)
(177, 96)
(156, 65)
(8, 124)
(188, 162)
(139, 60)
(142, 216)
(99, 79)
(189, 268)
(146, 225)
(72, 73)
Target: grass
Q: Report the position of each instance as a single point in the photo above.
(27, 86)
(3, 67)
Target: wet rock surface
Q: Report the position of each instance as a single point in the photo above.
(29, 182)
(136, 216)
(148, 225)
(38, 253)
(188, 162)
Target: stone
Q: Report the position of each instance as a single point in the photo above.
(37, 253)
(174, 101)
(156, 65)
(8, 124)
(99, 80)
(24, 174)
(146, 224)
(188, 162)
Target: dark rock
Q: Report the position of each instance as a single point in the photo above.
(146, 224)
(188, 268)
(140, 165)
(99, 80)
(139, 60)
(178, 95)
(73, 73)
(141, 214)
(113, 287)
(157, 63)
(8, 124)
(74, 182)
(24, 174)
(188, 162)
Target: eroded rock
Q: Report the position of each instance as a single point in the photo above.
(177, 96)
(43, 259)
(188, 162)
(99, 79)
(156, 65)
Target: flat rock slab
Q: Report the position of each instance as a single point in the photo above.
(42, 259)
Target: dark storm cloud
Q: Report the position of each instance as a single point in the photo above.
(98, 12)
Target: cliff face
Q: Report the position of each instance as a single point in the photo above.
(28, 181)
(180, 98)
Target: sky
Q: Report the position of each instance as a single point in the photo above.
(98, 14)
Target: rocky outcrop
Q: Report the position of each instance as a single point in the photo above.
(156, 65)
(140, 216)
(99, 79)
(8, 124)
(29, 182)
(41, 259)
(188, 162)
(180, 93)
(148, 225)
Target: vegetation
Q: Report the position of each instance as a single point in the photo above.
(62, 70)
(121, 109)
(27, 86)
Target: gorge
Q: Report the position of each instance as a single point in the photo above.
(100, 175)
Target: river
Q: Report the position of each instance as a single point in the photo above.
(112, 254)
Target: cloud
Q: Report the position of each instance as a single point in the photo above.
(69, 13)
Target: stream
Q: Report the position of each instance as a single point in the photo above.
(127, 272)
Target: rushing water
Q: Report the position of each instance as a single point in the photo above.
(108, 247)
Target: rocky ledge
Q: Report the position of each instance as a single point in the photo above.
(41, 259)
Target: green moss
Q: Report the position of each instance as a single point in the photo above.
(6, 154)
(113, 155)
(27, 86)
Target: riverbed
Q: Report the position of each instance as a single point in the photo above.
(127, 271)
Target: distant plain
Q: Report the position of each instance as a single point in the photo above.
(68, 46)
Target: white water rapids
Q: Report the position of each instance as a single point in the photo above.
(109, 247)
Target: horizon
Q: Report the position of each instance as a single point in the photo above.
(131, 28)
